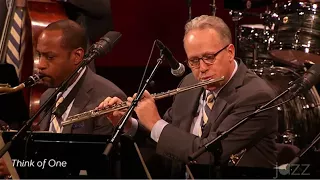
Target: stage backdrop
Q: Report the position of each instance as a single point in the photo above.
(143, 21)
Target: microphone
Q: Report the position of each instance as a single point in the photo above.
(32, 80)
(310, 78)
(103, 46)
(177, 69)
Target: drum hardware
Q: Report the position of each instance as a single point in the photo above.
(257, 61)
(246, 4)
(297, 34)
(270, 19)
(288, 137)
(263, 33)
(213, 8)
(299, 119)
(255, 54)
(189, 3)
(236, 17)
(254, 43)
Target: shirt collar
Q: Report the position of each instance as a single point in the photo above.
(216, 92)
(66, 92)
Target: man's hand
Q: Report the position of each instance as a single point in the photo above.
(114, 116)
(146, 110)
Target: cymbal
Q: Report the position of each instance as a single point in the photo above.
(294, 58)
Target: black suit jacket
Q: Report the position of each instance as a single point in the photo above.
(93, 91)
(240, 97)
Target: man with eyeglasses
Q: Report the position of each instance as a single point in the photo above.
(197, 116)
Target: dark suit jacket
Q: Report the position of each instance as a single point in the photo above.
(92, 92)
(13, 109)
(240, 97)
(94, 15)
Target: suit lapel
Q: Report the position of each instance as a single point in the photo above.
(81, 100)
(221, 102)
(218, 108)
(45, 121)
(79, 104)
(190, 109)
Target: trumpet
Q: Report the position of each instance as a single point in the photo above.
(32, 80)
(98, 112)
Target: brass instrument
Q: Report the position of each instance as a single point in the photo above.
(98, 112)
(32, 80)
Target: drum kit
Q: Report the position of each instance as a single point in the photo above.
(280, 50)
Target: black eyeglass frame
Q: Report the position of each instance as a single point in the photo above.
(207, 59)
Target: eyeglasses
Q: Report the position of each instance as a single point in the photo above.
(208, 59)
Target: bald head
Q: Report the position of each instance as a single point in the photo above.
(73, 35)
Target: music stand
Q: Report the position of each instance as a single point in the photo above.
(61, 156)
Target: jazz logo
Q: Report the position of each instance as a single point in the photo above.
(292, 170)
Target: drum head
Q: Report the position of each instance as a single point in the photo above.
(299, 119)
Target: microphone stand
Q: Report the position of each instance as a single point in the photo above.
(215, 146)
(301, 153)
(131, 108)
(28, 123)
(213, 8)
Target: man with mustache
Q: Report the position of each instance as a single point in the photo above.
(61, 48)
(197, 116)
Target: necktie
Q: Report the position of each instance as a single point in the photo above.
(206, 110)
(16, 40)
(56, 122)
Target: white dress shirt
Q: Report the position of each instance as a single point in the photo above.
(66, 113)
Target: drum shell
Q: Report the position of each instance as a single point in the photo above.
(254, 42)
(298, 118)
(297, 34)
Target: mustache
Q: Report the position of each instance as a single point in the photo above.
(43, 75)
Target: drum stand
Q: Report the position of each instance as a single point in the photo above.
(255, 55)
(236, 17)
(213, 8)
(189, 3)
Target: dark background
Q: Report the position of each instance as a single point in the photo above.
(143, 21)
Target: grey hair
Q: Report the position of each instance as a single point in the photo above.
(210, 22)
